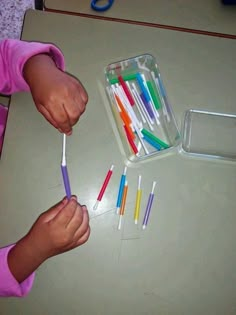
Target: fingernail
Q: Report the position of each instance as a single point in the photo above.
(74, 197)
(84, 208)
(69, 133)
(64, 201)
(84, 97)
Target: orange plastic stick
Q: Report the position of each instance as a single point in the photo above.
(123, 110)
(127, 127)
(123, 202)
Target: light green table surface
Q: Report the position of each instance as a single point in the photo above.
(4, 100)
(204, 15)
(184, 263)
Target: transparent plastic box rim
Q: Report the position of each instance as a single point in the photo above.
(210, 135)
(145, 121)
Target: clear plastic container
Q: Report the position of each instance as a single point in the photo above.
(140, 107)
(209, 135)
(145, 121)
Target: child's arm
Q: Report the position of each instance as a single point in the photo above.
(60, 229)
(38, 67)
(8, 284)
(13, 56)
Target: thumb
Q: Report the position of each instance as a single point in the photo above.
(83, 92)
(65, 216)
(54, 210)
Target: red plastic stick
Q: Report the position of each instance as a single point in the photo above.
(106, 181)
(131, 142)
(126, 90)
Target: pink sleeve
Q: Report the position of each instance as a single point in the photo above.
(8, 284)
(13, 56)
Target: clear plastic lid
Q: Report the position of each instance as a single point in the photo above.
(209, 134)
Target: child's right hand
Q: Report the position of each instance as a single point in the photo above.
(59, 229)
(58, 96)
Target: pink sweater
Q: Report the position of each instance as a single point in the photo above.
(13, 55)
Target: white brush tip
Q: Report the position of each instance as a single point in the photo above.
(96, 205)
(119, 225)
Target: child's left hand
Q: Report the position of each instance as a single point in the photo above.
(59, 97)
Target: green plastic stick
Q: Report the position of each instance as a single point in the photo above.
(128, 77)
(154, 95)
(154, 138)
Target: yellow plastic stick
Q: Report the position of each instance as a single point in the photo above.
(138, 201)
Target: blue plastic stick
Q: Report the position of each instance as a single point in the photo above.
(152, 143)
(121, 190)
(143, 88)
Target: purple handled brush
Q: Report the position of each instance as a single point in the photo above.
(64, 169)
(149, 206)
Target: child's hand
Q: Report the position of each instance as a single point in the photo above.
(58, 96)
(61, 228)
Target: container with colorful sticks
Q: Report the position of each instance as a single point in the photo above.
(140, 108)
